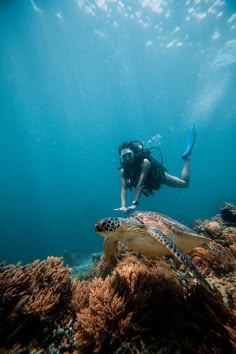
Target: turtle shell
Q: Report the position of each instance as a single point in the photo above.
(157, 219)
(177, 232)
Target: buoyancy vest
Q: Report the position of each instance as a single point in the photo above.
(155, 177)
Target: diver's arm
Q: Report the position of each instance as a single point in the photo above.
(144, 172)
(123, 192)
(123, 188)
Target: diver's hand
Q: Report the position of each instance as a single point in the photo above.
(122, 209)
(130, 208)
(125, 209)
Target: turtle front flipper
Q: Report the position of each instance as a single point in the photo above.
(179, 254)
(110, 251)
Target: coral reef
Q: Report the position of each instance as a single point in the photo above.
(34, 300)
(144, 305)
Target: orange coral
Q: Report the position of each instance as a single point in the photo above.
(230, 238)
(102, 317)
(142, 300)
(30, 295)
(50, 284)
(218, 260)
(80, 298)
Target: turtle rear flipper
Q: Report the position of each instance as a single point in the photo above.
(179, 254)
(111, 251)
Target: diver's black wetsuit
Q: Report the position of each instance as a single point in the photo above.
(154, 179)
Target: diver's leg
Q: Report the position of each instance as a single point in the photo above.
(185, 175)
(182, 182)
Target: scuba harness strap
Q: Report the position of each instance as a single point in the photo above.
(156, 176)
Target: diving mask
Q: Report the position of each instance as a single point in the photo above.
(126, 156)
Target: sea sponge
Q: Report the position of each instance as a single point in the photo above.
(213, 228)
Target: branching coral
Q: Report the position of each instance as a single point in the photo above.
(217, 260)
(102, 318)
(80, 298)
(31, 295)
(148, 285)
(142, 300)
(50, 286)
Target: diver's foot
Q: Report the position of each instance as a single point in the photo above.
(191, 143)
(185, 156)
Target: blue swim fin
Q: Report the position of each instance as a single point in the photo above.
(191, 142)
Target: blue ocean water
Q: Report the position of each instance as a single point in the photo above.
(77, 79)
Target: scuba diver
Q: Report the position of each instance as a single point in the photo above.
(140, 170)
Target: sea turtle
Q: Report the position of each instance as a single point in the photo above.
(150, 233)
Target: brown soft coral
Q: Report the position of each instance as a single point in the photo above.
(50, 286)
(80, 297)
(229, 235)
(30, 296)
(142, 302)
(146, 284)
(103, 317)
(121, 306)
(216, 260)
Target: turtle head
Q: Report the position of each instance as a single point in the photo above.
(107, 226)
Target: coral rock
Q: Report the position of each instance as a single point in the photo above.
(213, 228)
